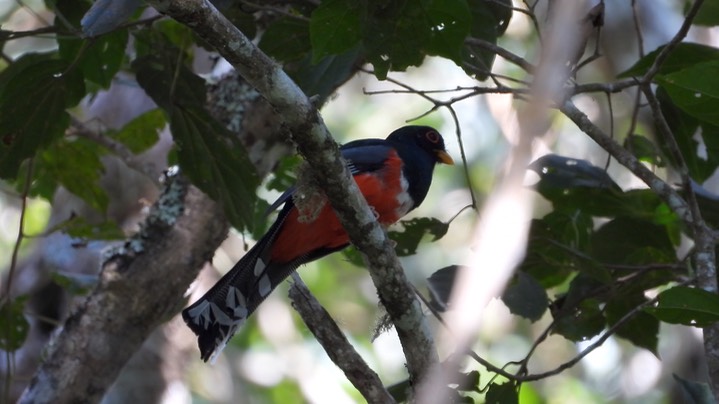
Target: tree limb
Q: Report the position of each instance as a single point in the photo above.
(321, 152)
(334, 342)
(181, 233)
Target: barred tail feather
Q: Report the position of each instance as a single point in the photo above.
(217, 315)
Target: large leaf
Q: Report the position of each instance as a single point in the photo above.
(684, 55)
(99, 59)
(688, 306)
(214, 163)
(414, 230)
(631, 241)
(695, 90)
(573, 184)
(440, 285)
(398, 34)
(505, 393)
(642, 329)
(489, 20)
(335, 27)
(35, 92)
(685, 129)
(207, 152)
(525, 297)
(287, 40)
(324, 77)
(583, 323)
(578, 315)
(708, 14)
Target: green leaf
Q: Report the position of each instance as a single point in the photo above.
(80, 228)
(75, 284)
(708, 14)
(440, 285)
(26, 127)
(335, 27)
(414, 230)
(77, 166)
(489, 20)
(578, 315)
(644, 150)
(695, 90)
(14, 327)
(216, 164)
(505, 393)
(287, 40)
(695, 392)
(284, 175)
(399, 34)
(324, 77)
(642, 329)
(688, 306)
(526, 297)
(582, 323)
(449, 24)
(631, 241)
(686, 54)
(685, 128)
(99, 58)
(142, 132)
(209, 154)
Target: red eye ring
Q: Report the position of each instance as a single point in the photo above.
(432, 136)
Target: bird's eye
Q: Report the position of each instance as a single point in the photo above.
(432, 136)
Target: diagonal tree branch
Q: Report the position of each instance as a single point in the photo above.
(334, 342)
(321, 152)
(182, 231)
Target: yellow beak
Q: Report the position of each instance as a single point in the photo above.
(444, 157)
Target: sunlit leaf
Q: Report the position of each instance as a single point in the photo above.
(142, 132)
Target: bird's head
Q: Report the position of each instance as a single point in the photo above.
(426, 138)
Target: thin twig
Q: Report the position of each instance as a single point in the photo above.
(7, 298)
(638, 29)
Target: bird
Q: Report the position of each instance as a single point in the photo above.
(393, 174)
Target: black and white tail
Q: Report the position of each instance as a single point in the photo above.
(217, 315)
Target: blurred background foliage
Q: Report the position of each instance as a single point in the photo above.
(600, 244)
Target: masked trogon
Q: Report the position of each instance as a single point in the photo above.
(394, 176)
